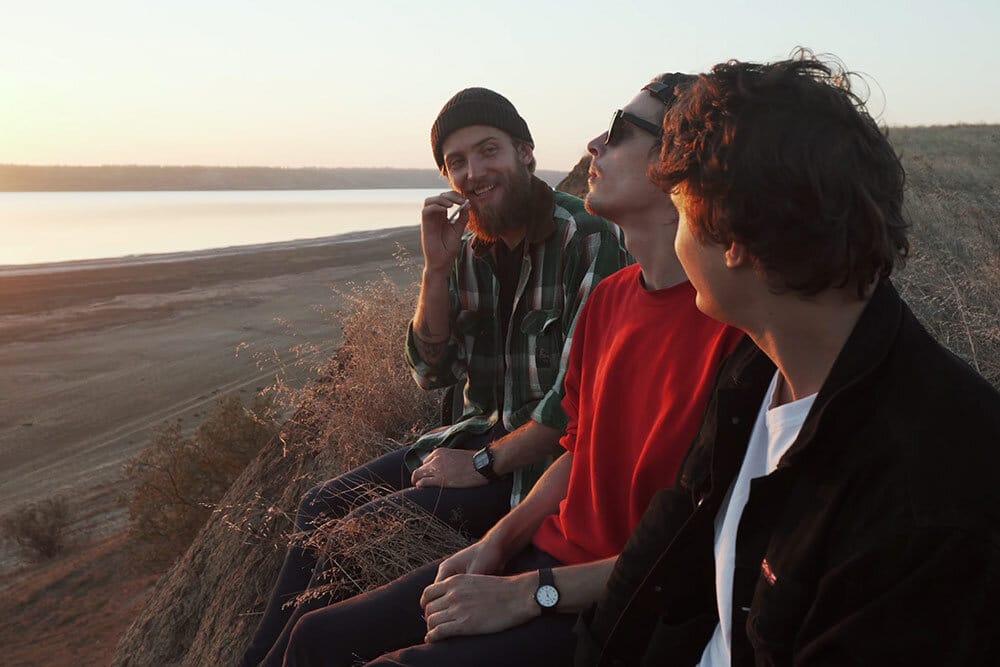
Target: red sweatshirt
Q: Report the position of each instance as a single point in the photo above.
(642, 366)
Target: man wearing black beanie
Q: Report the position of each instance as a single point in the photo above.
(504, 278)
(515, 229)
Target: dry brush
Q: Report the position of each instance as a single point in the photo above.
(362, 401)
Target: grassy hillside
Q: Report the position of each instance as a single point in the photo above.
(199, 614)
(952, 280)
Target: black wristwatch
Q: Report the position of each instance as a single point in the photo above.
(546, 595)
(482, 461)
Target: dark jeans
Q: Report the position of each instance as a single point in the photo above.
(386, 627)
(473, 511)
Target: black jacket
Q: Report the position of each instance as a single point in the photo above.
(876, 540)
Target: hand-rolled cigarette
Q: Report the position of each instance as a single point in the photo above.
(457, 212)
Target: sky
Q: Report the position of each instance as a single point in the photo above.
(331, 84)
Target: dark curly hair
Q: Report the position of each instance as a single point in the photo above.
(786, 160)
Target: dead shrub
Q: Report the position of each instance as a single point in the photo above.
(365, 552)
(38, 529)
(176, 480)
(363, 401)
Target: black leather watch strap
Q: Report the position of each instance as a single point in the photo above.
(547, 595)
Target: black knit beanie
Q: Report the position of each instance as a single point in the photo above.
(477, 106)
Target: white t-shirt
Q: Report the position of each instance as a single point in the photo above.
(773, 433)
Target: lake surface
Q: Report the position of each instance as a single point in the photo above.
(43, 227)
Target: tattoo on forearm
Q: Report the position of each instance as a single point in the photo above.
(429, 350)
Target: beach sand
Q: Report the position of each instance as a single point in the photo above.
(94, 356)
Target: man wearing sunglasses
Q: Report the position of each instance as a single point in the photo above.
(638, 377)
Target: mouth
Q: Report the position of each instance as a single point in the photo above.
(483, 191)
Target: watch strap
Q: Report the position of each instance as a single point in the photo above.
(546, 580)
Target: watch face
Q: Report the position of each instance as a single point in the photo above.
(480, 460)
(547, 596)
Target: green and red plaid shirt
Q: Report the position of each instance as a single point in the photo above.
(519, 376)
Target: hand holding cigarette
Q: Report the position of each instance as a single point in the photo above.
(441, 230)
(453, 217)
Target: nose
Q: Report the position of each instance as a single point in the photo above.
(473, 168)
(596, 145)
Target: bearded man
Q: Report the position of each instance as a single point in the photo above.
(503, 281)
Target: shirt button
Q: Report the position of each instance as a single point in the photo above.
(735, 420)
(657, 588)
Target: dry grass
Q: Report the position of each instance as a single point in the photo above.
(205, 608)
(361, 403)
(364, 401)
(952, 281)
(364, 404)
(368, 551)
(175, 482)
(72, 609)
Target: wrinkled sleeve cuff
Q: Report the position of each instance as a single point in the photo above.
(549, 411)
(428, 376)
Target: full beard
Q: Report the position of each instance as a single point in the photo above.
(489, 222)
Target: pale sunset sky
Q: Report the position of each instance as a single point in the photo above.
(334, 84)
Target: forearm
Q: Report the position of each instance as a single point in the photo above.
(579, 586)
(529, 444)
(582, 585)
(514, 531)
(431, 322)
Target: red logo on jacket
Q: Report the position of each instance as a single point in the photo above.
(765, 569)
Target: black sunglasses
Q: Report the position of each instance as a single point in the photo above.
(615, 129)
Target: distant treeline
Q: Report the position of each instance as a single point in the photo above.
(29, 178)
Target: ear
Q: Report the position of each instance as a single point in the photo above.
(737, 255)
(525, 154)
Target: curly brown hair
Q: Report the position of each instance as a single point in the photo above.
(785, 159)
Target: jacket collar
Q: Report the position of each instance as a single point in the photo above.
(539, 225)
(866, 349)
(743, 382)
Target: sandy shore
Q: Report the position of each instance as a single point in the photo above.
(94, 356)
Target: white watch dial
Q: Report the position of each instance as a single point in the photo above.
(547, 596)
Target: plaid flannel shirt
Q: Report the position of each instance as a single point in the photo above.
(567, 252)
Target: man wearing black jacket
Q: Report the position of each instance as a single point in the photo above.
(841, 504)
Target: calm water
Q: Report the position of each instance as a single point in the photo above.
(41, 227)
